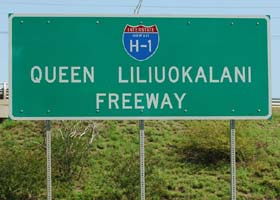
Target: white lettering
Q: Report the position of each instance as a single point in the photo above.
(175, 69)
(113, 99)
(150, 74)
(98, 100)
(88, 74)
(125, 101)
(131, 75)
(186, 74)
(36, 79)
(138, 76)
(180, 99)
(62, 74)
(211, 76)
(138, 100)
(74, 74)
(249, 74)
(47, 74)
(120, 76)
(237, 74)
(166, 101)
(162, 77)
(152, 99)
(136, 46)
(226, 74)
(200, 74)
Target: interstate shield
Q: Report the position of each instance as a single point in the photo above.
(140, 42)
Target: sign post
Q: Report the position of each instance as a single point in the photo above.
(141, 130)
(49, 158)
(232, 160)
(142, 159)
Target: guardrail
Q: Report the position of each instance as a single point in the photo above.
(275, 102)
(4, 90)
(4, 102)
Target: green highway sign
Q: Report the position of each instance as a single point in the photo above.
(139, 67)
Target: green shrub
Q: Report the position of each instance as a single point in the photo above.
(22, 175)
(118, 178)
(7, 124)
(210, 145)
(71, 146)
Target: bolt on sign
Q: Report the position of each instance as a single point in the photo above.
(139, 67)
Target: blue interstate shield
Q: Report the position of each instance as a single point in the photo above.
(140, 42)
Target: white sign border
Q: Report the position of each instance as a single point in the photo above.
(11, 16)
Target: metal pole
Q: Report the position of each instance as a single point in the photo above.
(141, 136)
(232, 160)
(49, 164)
(142, 160)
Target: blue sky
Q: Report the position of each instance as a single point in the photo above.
(163, 7)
